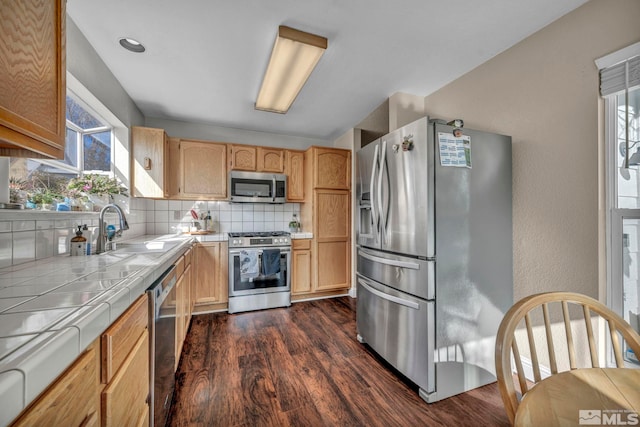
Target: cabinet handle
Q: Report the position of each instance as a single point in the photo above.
(147, 163)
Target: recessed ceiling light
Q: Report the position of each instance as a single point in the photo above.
(132, 45)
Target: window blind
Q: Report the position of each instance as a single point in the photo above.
(621, 76)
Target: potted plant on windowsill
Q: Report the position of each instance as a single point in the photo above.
(98, 189)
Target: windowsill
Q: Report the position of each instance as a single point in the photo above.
(33, 214)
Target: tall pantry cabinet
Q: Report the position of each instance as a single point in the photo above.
(328, 204)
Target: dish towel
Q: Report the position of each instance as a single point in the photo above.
(270, 261)
(248, 264)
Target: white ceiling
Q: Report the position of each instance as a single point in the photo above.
(205, 58)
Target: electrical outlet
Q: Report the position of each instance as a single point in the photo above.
(177, 215)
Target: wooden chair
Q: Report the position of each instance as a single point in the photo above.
(506, 341)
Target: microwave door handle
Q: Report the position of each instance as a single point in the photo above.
(273, 188)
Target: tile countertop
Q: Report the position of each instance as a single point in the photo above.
(52, 309)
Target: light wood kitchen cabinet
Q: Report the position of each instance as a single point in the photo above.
(332, 239)
(202, 170)
(149, 164)
(242, 157)
(119, 339)
(327, 213)
(180, 316)
(301, 266)
(32, 78)
(73, 400)
(125, 349)
(212, 286)
(294, 169)
(124, 399)
(331, 168)
(270, 160)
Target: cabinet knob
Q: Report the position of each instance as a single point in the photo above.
(147, 163)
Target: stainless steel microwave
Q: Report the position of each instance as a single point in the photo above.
(257, 187)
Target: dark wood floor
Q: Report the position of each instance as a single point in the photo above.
(302, 366)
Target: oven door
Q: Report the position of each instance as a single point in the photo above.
(246, 284)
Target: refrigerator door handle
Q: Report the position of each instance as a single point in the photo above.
(381, 217)
(391, 262)
(388, 297)
(374, 214)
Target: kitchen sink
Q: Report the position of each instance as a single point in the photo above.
(145, 247)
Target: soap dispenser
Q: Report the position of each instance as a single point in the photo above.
(78, 244)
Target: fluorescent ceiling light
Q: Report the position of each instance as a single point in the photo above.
(293, 58)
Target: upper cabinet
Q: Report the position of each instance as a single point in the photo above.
(242, 157)
(202, 170)
(294, 169)
(32, 78)
(270, 160)
(149, 163)
(331, 168)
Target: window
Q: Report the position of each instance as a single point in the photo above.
(88, 148)
(620, 86)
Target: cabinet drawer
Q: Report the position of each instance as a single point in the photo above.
(124, 400)
(72, 400)
(120, 338)
(301, 244)
(187, 257)
(180, 264)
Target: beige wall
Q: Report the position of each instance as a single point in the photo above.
(544, 93)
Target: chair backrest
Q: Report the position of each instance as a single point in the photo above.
(506, 344)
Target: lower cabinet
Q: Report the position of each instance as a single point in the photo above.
(73, 400)
(107, 385)
(301, 266)
(210, 279)
(124, 399)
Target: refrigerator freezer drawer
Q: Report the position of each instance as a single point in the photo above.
(411, 275)
(400, 328)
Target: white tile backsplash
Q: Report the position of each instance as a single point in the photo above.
(29, 235)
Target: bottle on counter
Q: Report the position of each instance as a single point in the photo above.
(208, 226)
(78, 245)
(87, 233)
(294, 224)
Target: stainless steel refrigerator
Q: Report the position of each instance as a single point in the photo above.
(434, 256)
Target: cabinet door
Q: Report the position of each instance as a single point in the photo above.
(332, 168)
(32, 78)
(242, 157)
(180, 314)
(149, 168)
(301, 267)
(294, 169)
(118, 340)
(270, 160)
(203, 170)
(332, 239)
(73, 400)
(212, 285)
(124, 400)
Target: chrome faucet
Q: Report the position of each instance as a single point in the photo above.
(102, 232)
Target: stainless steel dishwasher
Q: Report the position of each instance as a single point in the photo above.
(162, 313)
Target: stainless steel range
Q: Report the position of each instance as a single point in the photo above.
(259, 270)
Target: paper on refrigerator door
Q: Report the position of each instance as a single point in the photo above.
(454, 151)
